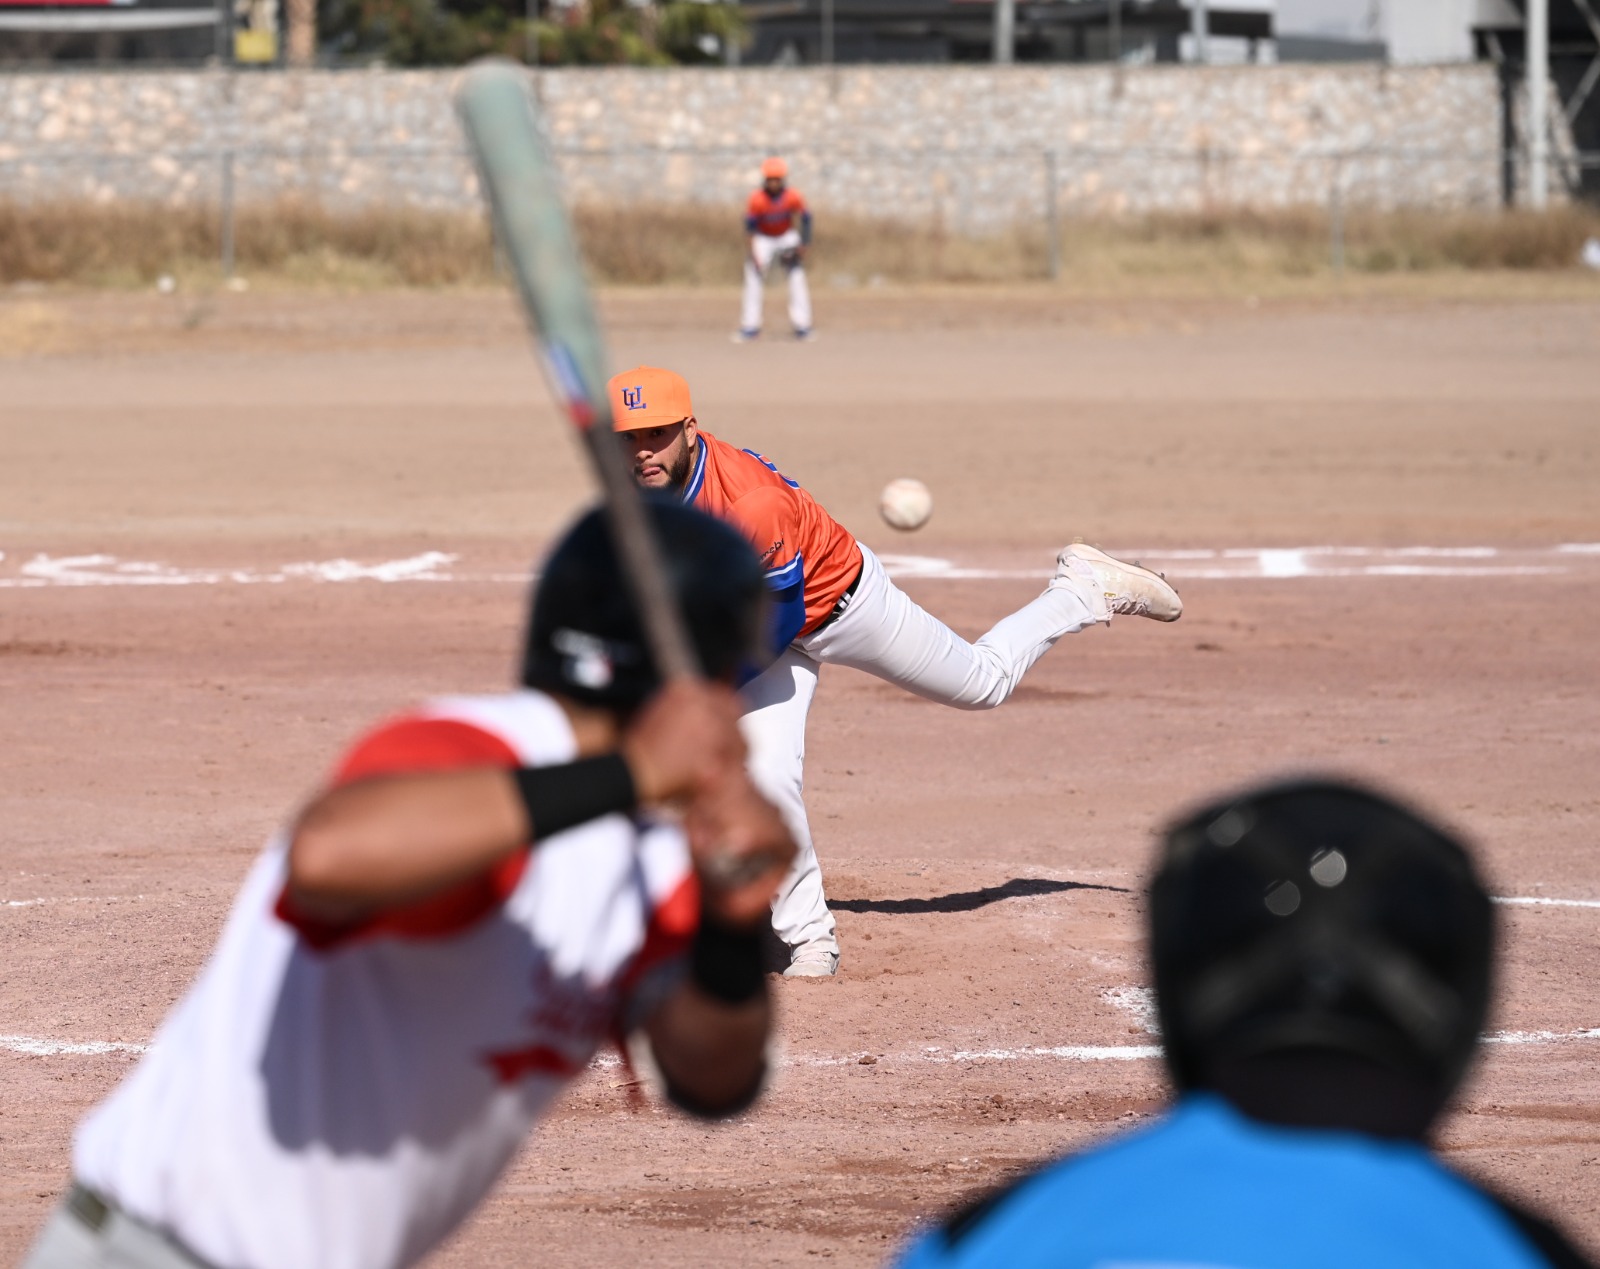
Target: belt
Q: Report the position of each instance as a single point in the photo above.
(88, 1208)
(841, 603)
(94, 1213)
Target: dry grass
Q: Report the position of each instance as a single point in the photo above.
(299, 245)
(132, 244)
(1296, 243)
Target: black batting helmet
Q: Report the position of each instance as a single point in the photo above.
(585, 638)
(1316, 915)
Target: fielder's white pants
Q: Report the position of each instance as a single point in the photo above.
(757, 262)
(885, 633)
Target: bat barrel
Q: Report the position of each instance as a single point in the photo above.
(522, 187)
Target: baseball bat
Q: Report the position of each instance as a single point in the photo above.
(520, 184)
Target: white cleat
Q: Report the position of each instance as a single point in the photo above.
(812, 962)
(1119, 587)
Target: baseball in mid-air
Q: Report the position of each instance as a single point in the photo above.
(905, 504)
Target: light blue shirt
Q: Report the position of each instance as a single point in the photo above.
(1207, 1188)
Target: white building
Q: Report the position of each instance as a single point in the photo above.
(1410, 32)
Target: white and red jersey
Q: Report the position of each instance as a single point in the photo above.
(345, 1097)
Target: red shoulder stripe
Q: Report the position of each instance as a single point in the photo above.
(409, 746)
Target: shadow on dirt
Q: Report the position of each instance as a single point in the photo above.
(970, 900)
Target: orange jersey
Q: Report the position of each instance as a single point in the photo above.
(774, 216)
(810, 558)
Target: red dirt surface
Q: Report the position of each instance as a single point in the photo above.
(985, 868)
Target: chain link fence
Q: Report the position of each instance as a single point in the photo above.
(956, 191)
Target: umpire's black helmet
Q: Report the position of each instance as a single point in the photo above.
(1316, 915)
(585, 637)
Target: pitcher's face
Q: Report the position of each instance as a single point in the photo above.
(661, 456)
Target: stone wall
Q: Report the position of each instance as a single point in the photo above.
(971, 147)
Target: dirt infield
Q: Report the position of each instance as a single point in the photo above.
(235, 530)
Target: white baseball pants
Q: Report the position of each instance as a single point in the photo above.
(885, 633)
(123, 1242)
(757, 262)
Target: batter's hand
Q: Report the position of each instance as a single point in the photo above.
(741, 849)
(683, 741)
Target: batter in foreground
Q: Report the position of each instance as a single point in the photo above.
(404, 984)
(835, 604)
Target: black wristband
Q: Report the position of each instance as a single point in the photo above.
(725, 963)
(574, 793)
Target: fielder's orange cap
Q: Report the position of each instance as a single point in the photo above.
(648, 396)
(774, 168)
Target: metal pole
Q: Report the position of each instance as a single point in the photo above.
(1202, 32)
(827, 32)
(1005, 32)
(227, 213)
(1116, 31)
(1052, 214)
(1336, 219)
(1538, 56)
(530, 33)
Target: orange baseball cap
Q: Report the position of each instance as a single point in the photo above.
(648, 396)
(774, 168)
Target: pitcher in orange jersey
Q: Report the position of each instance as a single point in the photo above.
(834, 603)
(777, 224)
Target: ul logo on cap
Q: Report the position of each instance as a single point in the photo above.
(633, 398)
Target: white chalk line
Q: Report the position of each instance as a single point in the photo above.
(1541, 1037)
(41, 1046)
(108, 570)
(1539, 901)
(1278, 563)
(48, 900)
(1234, 563)
(77, 898)
(1137, 1003)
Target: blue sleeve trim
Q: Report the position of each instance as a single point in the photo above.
(788, 616)
(765, 462)
(697, 478)
(751, 223)
(792, 572)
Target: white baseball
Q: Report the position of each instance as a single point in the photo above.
(905, 504)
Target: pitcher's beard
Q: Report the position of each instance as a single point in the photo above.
(678, 473)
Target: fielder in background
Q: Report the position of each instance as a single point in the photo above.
(835, 604)
(777, 226)
(404, 984)
(1322, 962)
